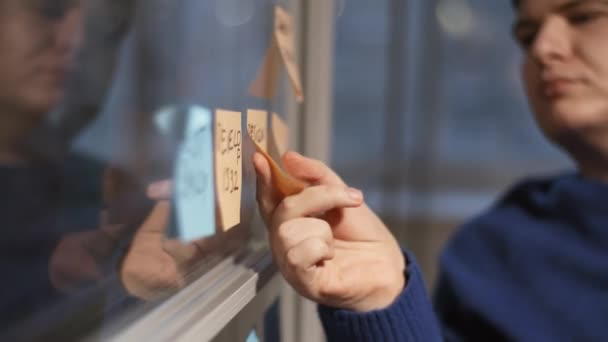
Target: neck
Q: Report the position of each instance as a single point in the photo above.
(596, 173)
(591, 158)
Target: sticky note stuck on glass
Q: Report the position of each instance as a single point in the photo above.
(281, 180)
(193, 195)
(228, 167)
(279, 137)
(257, 127)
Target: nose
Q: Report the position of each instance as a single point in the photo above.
(553, 41)
(69, 31)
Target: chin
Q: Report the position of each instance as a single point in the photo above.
(567, 119)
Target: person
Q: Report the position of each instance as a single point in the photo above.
(51, 247)
(531, 268)
(61, 249)
(82, 240)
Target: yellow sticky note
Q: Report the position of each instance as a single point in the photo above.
(279, 140)
(257, 127)
(284, 34)
(228, 167)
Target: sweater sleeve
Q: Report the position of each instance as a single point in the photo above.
(409, 318)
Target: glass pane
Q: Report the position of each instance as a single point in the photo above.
(99, 100)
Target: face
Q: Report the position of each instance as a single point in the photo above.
(37, 43)
(565, 70)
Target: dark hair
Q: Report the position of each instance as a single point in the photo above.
(515, 3)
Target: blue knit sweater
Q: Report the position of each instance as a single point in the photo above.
(533, 268)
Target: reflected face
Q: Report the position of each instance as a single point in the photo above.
(37, 43)
(566, 64)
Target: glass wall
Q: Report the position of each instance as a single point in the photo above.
(108, 110)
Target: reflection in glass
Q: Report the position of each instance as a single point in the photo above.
(88, 210)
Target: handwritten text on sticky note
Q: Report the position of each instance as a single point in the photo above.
(228, 166)
(257, 127)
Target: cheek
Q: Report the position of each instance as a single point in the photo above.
(592, 48)
(531, 82)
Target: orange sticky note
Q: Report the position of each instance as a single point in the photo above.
(228, 167)
(257, 127)
(279, 137)
(283, 182)
(284, 34)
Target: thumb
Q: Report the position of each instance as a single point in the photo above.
(157, 220)
(266, 195)
(310, 170)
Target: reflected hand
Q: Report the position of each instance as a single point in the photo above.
(327, 243)
(152, 264)
(155, 265)
(81, 258)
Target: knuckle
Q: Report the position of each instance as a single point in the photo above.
(318, 247)
(259, 196)
(284, 232)
(291, 259)
(288, 204)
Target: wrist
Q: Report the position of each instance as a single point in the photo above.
(385, 292)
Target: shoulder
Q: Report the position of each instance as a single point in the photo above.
(514, 215)
(528, 197)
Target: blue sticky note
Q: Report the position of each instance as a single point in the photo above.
(193, 184)
(253, 337)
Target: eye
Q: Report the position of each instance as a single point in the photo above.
(525, 39)
(55, 9)
(581, 18)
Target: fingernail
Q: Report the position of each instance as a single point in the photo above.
(354, 194)
(154, 190)
(159, 189)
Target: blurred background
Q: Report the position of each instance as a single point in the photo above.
(430, 117)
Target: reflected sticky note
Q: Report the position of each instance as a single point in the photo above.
(284, 34)
(265, 83)
(257, 127)
(252, 337)
(228, 166)
(193, 179)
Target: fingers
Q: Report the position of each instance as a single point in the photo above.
(293, 232)
(160, 190)
(307, 254)
(156, 222)
(183, 253)
(301, 243)
(266, 195)
(316, 200)
(311, 171)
